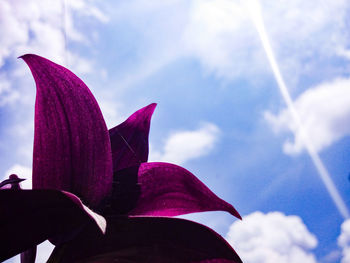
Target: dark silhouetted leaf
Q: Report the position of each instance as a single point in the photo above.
(28, 217)
(147, 239)
(13, 180)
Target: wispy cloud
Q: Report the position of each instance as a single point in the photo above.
(7, 95)
(255, 11)
(182, 146)
(40, 27)
(272, 237)
(323, 110)
(29, 26)
(220, 35)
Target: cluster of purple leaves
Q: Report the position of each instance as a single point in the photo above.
(95, 196)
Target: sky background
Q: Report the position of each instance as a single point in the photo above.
(220, 112)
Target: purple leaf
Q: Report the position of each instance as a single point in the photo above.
(71, 143)
(129, 140)
(28, 217)
(147, 239)
(163, 189)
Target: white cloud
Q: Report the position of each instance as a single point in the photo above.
(87, 8)
(34, 26)
(221, 35)
(323, 110)
(41, 27)
(344, 241)
(31, 26)
(7, 95)
(182, 146)
(272, 238)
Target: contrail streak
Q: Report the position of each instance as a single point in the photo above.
(255, 12)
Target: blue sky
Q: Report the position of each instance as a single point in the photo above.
(220, 112)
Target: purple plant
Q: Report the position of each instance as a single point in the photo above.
(78, 163)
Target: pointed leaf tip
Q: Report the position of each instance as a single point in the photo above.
(170, 190)
(71, 143)
(163, 189)
(26, 56)
(129, 140)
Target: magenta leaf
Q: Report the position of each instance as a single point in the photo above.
(72, 149)
(147, 239)
(129, 140)
(28, 217)
(163, 189)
